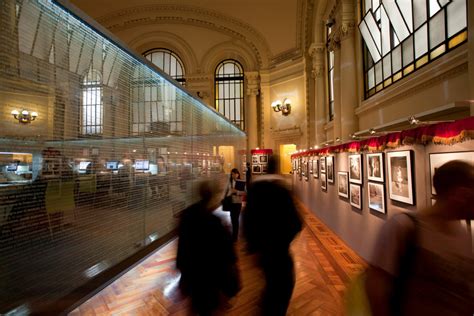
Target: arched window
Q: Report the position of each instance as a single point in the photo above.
(229, 84)
(157, 108)
(92, 108)
(167, 61)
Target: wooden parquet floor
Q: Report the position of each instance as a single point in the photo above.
(324, 265)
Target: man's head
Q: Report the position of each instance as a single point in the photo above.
(454, 183)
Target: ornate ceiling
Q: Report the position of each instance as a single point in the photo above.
(274, 28)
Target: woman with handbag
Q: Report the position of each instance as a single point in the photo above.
(233, 201)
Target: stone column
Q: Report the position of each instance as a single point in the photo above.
(334, 45)
(252, 92)
(348, 67)
(317, 52)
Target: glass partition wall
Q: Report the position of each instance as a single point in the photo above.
(99, 153)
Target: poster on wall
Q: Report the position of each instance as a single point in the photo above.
(343, 184)
(439, 159)
(375, 167)
(355, 168)
(376, 193)
(260, 160)
(400, 180)
(330, 168)
(356, 197)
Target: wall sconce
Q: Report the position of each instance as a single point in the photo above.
(24, 116)
(284, 107)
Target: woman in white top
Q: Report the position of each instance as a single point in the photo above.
(236, 202)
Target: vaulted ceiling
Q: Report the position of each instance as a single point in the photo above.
(274, 27)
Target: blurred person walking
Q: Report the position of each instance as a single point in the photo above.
(423, 263)
(206, 256)
(234, 192)
(270, 223)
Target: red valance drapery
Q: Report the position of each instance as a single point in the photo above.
(440, 133)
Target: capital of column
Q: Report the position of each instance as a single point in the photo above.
(253, 82)
(316, 49)
(347, 29)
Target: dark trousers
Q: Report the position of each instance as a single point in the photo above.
(234, 218)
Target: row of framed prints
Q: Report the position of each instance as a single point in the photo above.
(399, 175)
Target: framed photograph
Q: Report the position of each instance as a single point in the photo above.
(316, 167)
(355, 196)
(264, 168)
(343, 184)
(375, 167)
(256, 169)
(310, 166)
(330, 168)
(439, 159)
(377, 197)
(322, 164)
(324, 182)
(304, 167)
(400, 181)
(255, 159)
(264, 158)
(355, 168)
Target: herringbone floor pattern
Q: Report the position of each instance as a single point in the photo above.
(324, 265)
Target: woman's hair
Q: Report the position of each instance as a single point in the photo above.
(235, 170)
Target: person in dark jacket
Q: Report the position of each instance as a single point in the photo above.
(270, 223)
(206, 256)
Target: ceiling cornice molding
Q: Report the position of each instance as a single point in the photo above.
(189, 15)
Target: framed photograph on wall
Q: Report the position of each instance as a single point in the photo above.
(264, 158)
(355, 196)
(439, 159)
(377, 197)
(324, 182)
(256, 169)
(316, 167)
(310, 165)
(322, 164)
(255, 159)
(375, 167)
(400, 176)
(330, 168)
(355, 168)
(343, 184)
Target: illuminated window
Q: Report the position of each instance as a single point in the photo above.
(167, 61)
(402, 36)
(330, 57)
(92, 108)
(229, 83)
(156, 108)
